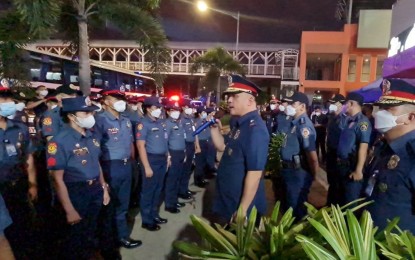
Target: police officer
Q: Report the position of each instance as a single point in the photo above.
(17, 176)
(189, 127)
(352, 149)
(239, 181)
(117, 146)
(73, 157)
(151, 140)
(270, 116)
(202, 157)
(320, 121)
(283, 120)
(20, 115)
(38, 103)
(132, 111)
(298, 154)
(50, 121)
(391, 186)
(177, 146)
(334, 127)
(5, 221)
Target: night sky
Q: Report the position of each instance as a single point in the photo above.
(262, 21)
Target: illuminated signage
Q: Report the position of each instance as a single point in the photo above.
(402, 42)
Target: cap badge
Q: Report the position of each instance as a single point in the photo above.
(230, 82)
(290, 93)
(88, 101)
(386, 87)
(393, 162)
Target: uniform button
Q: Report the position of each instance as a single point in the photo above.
(83, 162)
(77, 145)
(116, 138)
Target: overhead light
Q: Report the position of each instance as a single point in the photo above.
(366, 60)
(318, 58)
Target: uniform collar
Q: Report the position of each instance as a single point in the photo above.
(399, 145)
(77, 134)
(295, 120)
(355, 117)
(111, 116)
(242, 119)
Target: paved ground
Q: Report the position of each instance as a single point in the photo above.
(158, 245)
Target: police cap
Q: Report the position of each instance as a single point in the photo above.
(78, 104)
(238, 84)
(355, 97)
(337, 98)
(396, 92)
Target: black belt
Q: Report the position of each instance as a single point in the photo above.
(91, 181)
(343, 162)
(288, 165)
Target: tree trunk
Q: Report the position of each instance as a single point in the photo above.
(84, 62)
(218, 94)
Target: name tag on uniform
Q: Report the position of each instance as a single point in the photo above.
(185, 135)
(81, 151)
(154, 129)
(11, 150)
(187, 123)
(193, 128)
(166, 136)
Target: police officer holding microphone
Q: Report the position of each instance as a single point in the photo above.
(239, 181)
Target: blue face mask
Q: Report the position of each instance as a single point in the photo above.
(7, 109)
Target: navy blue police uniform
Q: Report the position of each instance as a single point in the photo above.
(296, 173)
(177, 146)
(246, 151)
(116, 144)
(78, 156)
(15, 147)
(155, 135)
(357, 129)
(202, 158)
(189, 126)
(391, 184)
(5, 219)
(334, 128)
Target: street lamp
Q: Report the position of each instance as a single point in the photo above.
(202, 6)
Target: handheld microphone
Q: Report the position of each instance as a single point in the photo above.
(204, 126)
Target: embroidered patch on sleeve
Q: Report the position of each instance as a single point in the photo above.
(363, 126)
(305, 132)
(52, 148)
(47, 121)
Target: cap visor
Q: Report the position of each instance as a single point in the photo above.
(390, 102)
(84, 109)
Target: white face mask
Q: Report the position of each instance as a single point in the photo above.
(87, 122)
(272, 107)
(290, 111)
(175, 114)
(20, 106)
(203, 115)
(156, 113)
(385, 121)
(120, 106)
(318, 113)
(134, 107)
(281, 108)
(188, 111)
(43, 93)
(99, 106)
(54, 106)
(333, 108)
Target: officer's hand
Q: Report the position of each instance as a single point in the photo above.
(356, 175)
(149, 172)
(198, 150)
(107, 198)
(73, 217)
(32, 192)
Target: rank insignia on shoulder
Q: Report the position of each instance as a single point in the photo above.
(237, 134)
(128, 124)
(302, 121)
(140, 126)
(393, 162)
(96, 143)
(293, 129)
(305, 132)
(47, 121)
(52, 148)
(230, 151)
(252, 122)
(363, 126)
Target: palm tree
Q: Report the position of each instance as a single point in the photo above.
(74, 18)
(217, 61)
